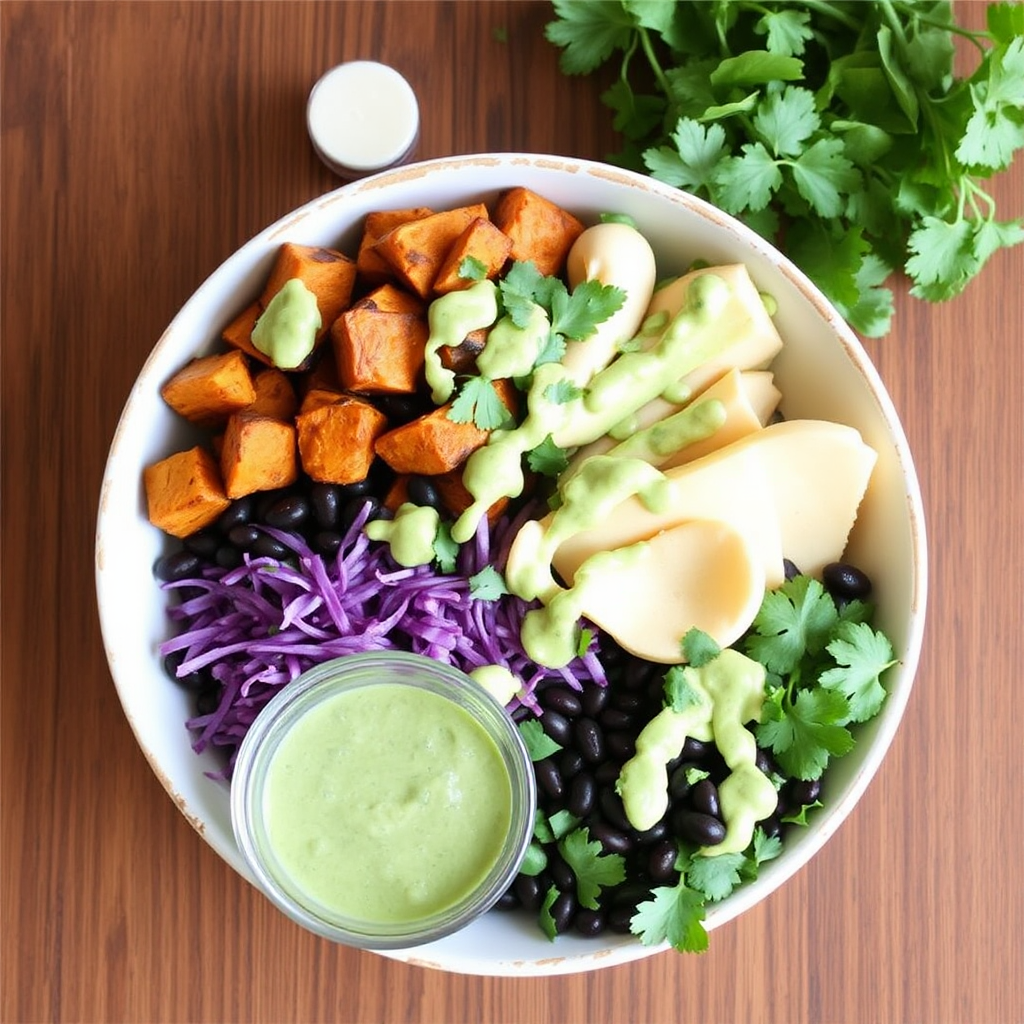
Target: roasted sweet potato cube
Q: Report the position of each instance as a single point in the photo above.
(379, 353)
(482, 242)
(238, 333)
(258, 454)
(388, 298)
(336, 442)
(209, 389)
(330, 275)
(322, 373)
(462, 358)
(184, 492)
(540, 230)
(372, 267)
(415, 250)
(398, 493)
(434, 443)
(275, 395)
(456, 497)
(317, 398)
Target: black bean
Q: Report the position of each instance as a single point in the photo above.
(790, 569)
(621, 745)
(698, 828)
(288, 513)
(194, 681)
(661, 861)
(398, 408)
(606, 773)
(611, 806)
(628, 700)
(704, 798)
(562, 911)
(508, 900)
(637, 674)
(203, 543)
(423, 491)
(354, 506)
(267, 547)
(529, 891)
(764, 762)
(846, 582)
(264, 502)
(799, 792)
(616, 718)
(208, 699)
(612, 840)
(561, 874)
(325, 501)
(357, 489)
(582, 795)
(589, 923)
(549, 778)
(654, 834)
(570, 763)
(630, 894)
(179, 565)
(771, 826)
(326, 542)
(557, 726)
(679, 784)
(228, 557)
(244, 536)
(589, 740)
(238, 513)
(594, 699)
(561, 699)
(619, 919)
(695, 750)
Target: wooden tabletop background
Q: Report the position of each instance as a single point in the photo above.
(144, 142)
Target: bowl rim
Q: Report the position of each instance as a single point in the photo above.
(885, 725)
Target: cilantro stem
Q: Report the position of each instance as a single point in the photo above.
(830, 11)
(648, 48)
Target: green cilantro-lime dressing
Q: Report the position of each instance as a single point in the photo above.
(287, 329)
(677, 393)
(387, 803)
(411, 533)
(727, 692)
(449, 319)
(511, 351)
(656, 443)
(498, 681)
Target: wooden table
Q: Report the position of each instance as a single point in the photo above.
(143, 143)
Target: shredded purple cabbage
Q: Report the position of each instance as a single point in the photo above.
(259, 626)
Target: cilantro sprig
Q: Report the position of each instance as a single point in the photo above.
(824, 667)
(839, 131)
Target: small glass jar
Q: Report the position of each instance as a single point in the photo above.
(362, 117)
(319, 791)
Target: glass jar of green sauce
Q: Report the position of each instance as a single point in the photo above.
(383, 800)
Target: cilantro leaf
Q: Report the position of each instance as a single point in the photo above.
(478, 403)
(578, 313)
(589, 33)
(805, 733)
(519, 288)
(996, 128)
(765, 847)
(472, 269)
(534, 861)
(823, 175)
(788, 31)
(547, 458)
(446, 550)
(562, 392)
(537, 742)
(699, 648)
(691, 164)
(487, 585)
(675, 914)
(786, 119)
(793, 621)
(562, 823)
(862, 655)
(544, 918)
(715, 877)
(800, 817)
(679, 692)
(593, 868)
(747, 182)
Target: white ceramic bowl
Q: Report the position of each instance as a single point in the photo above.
(822, 372)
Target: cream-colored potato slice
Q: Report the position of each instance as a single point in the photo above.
(700, 573)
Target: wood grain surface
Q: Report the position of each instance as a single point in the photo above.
(142, 143)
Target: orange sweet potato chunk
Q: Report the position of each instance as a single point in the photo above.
(372, 267)
(258, 454)
(456, 497)
(540, 230)
(238, 333)
(184, 492)
(336, 441)
(330, 275)
(481, 241)
(388, 298)
(275, 395)
(434, 443)
(417, 249)
(462, 357)
(209, 389)
(379, 353)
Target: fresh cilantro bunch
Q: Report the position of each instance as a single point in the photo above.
(824, 667)
(836, 129)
